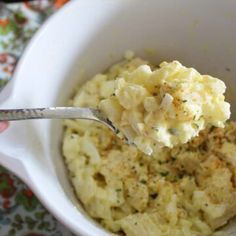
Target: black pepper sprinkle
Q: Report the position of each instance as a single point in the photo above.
(180, 175)
(143, 181)
(160, 162)
(153, 195)
(211, 129)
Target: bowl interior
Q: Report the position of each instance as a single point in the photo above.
(85, 38)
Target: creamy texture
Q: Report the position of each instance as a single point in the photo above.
(166, 106)
(185, 191)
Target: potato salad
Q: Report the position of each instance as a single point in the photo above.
(166, 106)
(180, 177)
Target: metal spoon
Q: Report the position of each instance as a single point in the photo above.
(56, 113)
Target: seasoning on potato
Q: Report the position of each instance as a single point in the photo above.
(161, 190)
(167, 106)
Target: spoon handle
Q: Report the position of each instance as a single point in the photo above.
(51, 113)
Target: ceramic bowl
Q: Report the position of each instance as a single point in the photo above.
(85, 38)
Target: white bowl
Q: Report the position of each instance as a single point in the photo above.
(85, 38)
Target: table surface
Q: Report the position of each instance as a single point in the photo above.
(21, 213)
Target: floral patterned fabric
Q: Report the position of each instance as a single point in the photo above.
(21, 214)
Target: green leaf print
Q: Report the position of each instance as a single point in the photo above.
(40, 215)
(31, 223)
(18, 218)
(12, 232)
(29, 203)
(3, 82)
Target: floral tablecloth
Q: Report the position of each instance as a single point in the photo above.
(21, 213)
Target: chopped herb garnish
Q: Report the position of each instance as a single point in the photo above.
(155, 128)
(172, 131)
(118, 189)
(184, 101)
(164, 173)
(143, 181)
(117, 131)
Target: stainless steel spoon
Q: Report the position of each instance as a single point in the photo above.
(56, 113)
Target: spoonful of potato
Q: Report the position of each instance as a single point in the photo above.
(151, 108)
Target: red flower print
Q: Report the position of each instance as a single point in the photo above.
(6, 204)
(27, 199)
(8, 62)
(7, 188)
(28, 193)
(60, 3)
(4, 22)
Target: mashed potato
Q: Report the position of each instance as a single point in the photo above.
(166, 106)
(188, 190)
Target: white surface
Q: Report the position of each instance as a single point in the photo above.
(84, 38)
